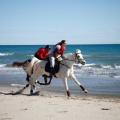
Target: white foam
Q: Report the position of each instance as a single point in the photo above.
(117, 76)
(86, 55)
(88, 65)
(6, 54)
(106, 67)
(117, 66)
(2, 65)
(110, 66)
(31, 55)
(17, 85)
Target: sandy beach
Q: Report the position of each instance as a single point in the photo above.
(51, 106)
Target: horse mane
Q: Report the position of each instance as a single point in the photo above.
(66, 55)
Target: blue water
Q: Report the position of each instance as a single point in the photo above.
(100, 75)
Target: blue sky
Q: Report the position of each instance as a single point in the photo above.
(29, 22)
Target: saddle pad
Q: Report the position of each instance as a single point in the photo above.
(56, 68)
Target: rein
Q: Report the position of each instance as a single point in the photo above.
(65, 65)
(69, 60)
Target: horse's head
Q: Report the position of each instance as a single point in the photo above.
(79, 58)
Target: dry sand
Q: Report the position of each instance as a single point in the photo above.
(51, 106)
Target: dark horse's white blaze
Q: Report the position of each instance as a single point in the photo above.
(65, 72)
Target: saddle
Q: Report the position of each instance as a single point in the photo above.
(56, 67)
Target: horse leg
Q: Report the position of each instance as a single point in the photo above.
(66, 86)
(21, 90)
(26, 86)
(28, 77)
(72, 76)
(32, 83)
(45, 79)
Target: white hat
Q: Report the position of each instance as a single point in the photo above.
(78, 51)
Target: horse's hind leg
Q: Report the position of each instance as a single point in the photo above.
(26, 86)
(28, 78)
(21, 90)
(32, 82)
(45, 79)
(78, 83)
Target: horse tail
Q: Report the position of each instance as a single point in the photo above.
(18, 64)
(21, 64)
(26, 65)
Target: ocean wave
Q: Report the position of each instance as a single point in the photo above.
(31, 55)
(97, 70)
(6, 54)
(92, 65)
(110, 66)
(86, 66)
(85, 70)
(17, 85)
(2, 65)
(118, 76)
(117, 66)
(86, 55)
(5, 65)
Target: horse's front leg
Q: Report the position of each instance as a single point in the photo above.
(66, 86)
(72, 76)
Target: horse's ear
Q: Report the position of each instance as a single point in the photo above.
(78, 51)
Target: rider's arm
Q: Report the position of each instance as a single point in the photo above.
(46, 56)
(56, 49)
(41, 54)
(54, 52)
(63, 57)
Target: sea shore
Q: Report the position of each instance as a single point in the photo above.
(53, 106)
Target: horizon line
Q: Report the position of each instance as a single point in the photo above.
(68, 44)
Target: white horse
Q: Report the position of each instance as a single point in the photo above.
(65, 71)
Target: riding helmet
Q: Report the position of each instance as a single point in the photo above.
(48, 46)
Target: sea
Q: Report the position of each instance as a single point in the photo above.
(100, 75)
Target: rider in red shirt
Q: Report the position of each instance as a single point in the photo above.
(42, 53)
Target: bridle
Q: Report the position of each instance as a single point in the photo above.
(78, 57)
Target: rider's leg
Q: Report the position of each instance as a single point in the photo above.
(52, 64)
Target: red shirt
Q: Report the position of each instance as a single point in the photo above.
(60, 51)
(41, 53)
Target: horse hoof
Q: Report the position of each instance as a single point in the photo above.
(36, 93)
(34, 87)
(31, 92)
(86, 91)
(68, 93)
